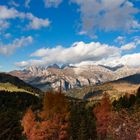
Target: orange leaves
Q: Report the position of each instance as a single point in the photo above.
(102, 112)
(124, 125)
(28, 122)
(53, 124)
(138, 134)
(117, 125)
(54, 104)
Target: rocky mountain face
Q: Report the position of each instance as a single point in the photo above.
(71, 77)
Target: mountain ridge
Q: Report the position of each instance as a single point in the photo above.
(72, 77)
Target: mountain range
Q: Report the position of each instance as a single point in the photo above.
(72, 77)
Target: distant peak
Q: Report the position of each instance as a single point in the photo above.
(54, 66)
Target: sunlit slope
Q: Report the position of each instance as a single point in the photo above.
(115, 89)
(12, 88)
(14, 84)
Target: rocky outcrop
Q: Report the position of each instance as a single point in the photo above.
(71, 77)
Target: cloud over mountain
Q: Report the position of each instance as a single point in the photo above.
(102, 32)
(80, 52)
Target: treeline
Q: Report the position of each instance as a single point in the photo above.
(12, 108)
(56, 117)
(17, 100)
(61, 119)
(112, 124)
(119, 120)
(131, 101)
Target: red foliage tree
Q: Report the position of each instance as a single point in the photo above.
(124, 125)
(55, 104)
(138, 134)
(53, 124)
(28, 122)
(102, 112)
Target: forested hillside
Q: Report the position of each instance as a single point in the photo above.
(17, 83)
(55, 116)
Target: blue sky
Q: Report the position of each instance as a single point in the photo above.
(43, 32)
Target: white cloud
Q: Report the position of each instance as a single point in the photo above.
(86, 33)
(131, 59)
(120, 39)
(11, 13)
(7, 49)
(82, 33)
(129, 46)
(22, 64)
(77, 53)
(37, 23)
(128, 59)
(137, 39)
(107, 15)
(52, 3)
(80, 53)
(41, 52)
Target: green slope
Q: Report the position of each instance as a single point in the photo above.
(14, 84)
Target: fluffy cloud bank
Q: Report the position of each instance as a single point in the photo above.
(81, 52)
(7, 49)
(107, 15)
(11, 13)
(128, 59)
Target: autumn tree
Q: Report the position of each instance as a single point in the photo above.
(102, 112)
(51, 123)
(124, 125)
(28, 122)
(55, 104)
(56, 109)
(138, 134)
